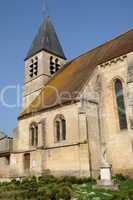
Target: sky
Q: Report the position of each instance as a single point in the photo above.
(80, 24)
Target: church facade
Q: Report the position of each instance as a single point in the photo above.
(77, 115)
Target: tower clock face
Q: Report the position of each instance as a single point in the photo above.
(54, 65)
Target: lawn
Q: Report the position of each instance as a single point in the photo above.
(51, 188)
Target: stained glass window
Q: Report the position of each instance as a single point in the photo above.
(63, 123)
(34, 135)
(120, 104)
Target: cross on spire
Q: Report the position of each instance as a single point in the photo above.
(45, 9)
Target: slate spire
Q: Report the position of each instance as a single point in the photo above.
(47, 40)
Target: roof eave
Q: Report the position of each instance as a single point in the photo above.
(28, 57)
(48, 108)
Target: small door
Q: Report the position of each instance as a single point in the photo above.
(27, 161)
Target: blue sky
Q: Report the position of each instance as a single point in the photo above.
(80, 24)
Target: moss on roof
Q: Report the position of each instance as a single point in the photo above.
(68, 82)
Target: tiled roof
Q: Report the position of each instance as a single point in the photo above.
(73, 76)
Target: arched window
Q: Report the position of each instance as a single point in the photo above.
(120, 104)
(60, 128)
(34, 134)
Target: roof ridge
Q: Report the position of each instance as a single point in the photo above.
(105, 43)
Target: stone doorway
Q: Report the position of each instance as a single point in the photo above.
(27, 162)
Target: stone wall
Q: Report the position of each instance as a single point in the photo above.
(90, 124)
(6, 145)
(4, 167)
(118, 142)
(66, 157)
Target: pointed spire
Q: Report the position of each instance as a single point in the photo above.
(47, 40)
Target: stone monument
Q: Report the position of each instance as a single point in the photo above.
(105, 170)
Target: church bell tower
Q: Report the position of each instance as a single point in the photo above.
(43, 60)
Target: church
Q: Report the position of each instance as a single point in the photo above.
(77, 115)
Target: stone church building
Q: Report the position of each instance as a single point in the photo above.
(77, 115)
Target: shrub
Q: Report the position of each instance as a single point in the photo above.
(119, 178)
(130, 194)
(86, 180)
(70, 179)
(25, 184)
(46, 180)
(33, 187)
(13, 195)
(63, 192)
(15, 182)
(43, 194)
(75, 180)
(126, 185)
(117, 197)
(47, 187)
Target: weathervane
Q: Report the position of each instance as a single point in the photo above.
(45, 9)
